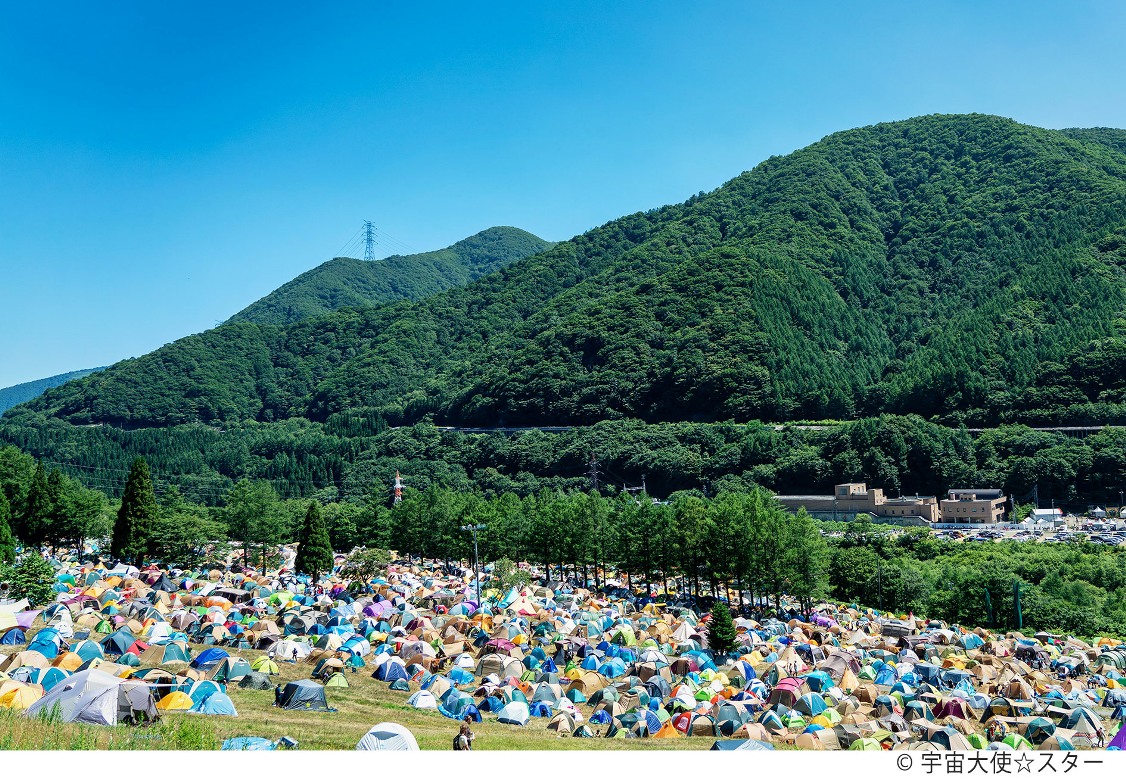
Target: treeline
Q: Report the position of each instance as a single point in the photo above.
(1073, 588)
(962, 267)
(45, 507)
(354, 456)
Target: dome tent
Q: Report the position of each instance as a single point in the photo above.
(302, 695)
(387, 736)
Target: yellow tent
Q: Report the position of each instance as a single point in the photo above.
(177, 700)
(18, 696)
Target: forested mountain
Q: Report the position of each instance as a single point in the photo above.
(350, 282)
(962, 266)
(22, 392)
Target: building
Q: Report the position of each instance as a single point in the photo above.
(854, 498)
(972, 508)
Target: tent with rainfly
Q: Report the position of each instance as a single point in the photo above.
(98, 698)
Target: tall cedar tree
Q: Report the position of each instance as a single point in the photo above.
(39, 511)
(7, 540)
(136, 517)
(721, 630)
(314, 551)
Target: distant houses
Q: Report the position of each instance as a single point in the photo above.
(961, 508)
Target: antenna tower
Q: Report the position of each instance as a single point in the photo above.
(369, 241)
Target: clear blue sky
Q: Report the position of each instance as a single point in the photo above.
(162, 165)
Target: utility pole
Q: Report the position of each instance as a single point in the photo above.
(369, 241)
(476, 568)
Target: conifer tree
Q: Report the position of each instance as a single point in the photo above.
(7, 540)
(721, 630)
(38, 512)
(314, 551)
(136, 517)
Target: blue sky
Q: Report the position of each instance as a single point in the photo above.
(162, 167)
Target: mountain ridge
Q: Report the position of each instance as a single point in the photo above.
(885, 268)
(10, 396)
(350, 282)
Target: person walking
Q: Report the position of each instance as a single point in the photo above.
(464, 738)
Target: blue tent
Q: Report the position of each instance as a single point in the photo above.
(202, 690)
(389, 671)
(248, 743)
(216, 704)
(615, 667)
(460, 676)
(600, 717)
(47, 642)
(209, 657)
(490, 704)
(13, 636)
(887, 675)
(540, 709)
(118, 643)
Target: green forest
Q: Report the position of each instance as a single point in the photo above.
(963, 268)
(355, 454)
(350, 282)
(737, 540)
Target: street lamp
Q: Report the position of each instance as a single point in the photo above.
(476, 569)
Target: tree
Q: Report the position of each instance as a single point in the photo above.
(35, 525)
(185, 535)
(137, 516)
(364, 565)
(721, 630)
(255, 517)
(507, 575)
(314, 550)
(31, 577)
(7, 541)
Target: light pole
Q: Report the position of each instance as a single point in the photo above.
(476, 569)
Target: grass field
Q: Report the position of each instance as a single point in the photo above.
(358, 708)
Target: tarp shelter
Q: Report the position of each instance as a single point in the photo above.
(387, 736)
(302, 695)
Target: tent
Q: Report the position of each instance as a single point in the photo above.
(741, 744)
(387, 736)
(98, 698)
(217, 703)
(248, 743)
(515, 712)
(302, 695)
(258, 681)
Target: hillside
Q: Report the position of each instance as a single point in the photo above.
(967, 267)
(22, 392)
(350, 282)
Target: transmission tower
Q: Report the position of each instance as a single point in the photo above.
(593, 472)
(369, 241)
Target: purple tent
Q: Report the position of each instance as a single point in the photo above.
(1119, 740)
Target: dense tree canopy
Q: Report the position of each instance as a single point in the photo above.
(350, 282)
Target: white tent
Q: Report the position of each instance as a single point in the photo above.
(94, 697)
(423, 700)
(387, 736)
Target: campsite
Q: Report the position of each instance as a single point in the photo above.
(125, 658)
